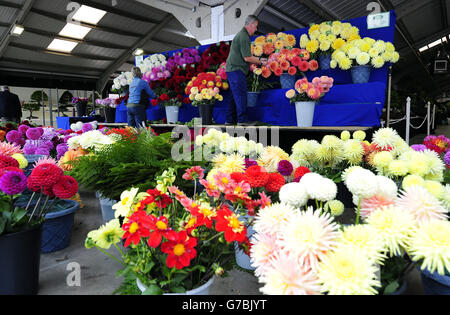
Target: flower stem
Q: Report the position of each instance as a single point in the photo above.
(357, 212)
(109, 255)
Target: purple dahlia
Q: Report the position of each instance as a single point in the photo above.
(13, 183)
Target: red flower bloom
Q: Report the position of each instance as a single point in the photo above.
(256, 176)
(66, 187)
(228, 222)
(313, 65)
(238, 177)
(275, 182)
(299, 172)
(136, 227)
(160, 227)
(161, 200)
(7, 161)
(292, 71)
(9, 169)
(303, 66)
(45, 175)
(180, 251)
(154, 102)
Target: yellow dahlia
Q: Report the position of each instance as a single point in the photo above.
(398, 168)
(107, 235)
(353, 151)
(19, 157)
(430, 243)
(312, 46)
(412, 180)
(359, 135)
(271, 157)
(348, 271)
(345, 63)
(394, 225)
(435, 188)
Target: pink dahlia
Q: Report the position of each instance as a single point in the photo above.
(66, 187)
(13, 183)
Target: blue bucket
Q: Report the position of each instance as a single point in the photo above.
(361, 74)
(287, 81)
(252, 99)
(324, 62)
(434, 283)
(57, 227)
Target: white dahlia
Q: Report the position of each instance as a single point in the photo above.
(294, 194)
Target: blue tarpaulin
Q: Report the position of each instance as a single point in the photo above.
(346, 104)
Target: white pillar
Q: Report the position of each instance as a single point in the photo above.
(428, 118)
(434, 116)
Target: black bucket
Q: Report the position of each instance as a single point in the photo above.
(206, 113)
(20, 255)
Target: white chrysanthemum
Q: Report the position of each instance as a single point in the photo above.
(353, 151)
(385, 137)
(199, 140)
(365, 238)
(264, 247)
(362, 182)
(227, 146)
(324, 190)
(309, 236)
(431, 243)
(348, 171)
(446, 197)
(394, 225)
(386, 187)
(435, 163)
(271, 220)
(287, 277)
(348, 271)
(271, 157)
(294, 194)
(421, 204)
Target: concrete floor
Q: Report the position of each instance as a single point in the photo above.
(98, 272)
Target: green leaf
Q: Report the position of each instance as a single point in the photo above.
(2, 224)
(17, 215)
(391, 288)
(148, 267)
(179, 278)
(153, 289)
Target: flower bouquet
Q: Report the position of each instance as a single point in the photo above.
(122, 82)
(182, 59)
(305, 95)
(152, 61)
(175, 243)
(107, 102)
(214, 56)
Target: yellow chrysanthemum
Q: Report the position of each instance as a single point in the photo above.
(257, 50)
(359, 135)
(412, 180)
(378, 62)
(394, 225)
(304, 40)
(271, 157)
(314, 28)
(339, 55)
(312, 46)
(435, 188)
(373, 52)
(325, 46)
(332, 143)
(107, 235)
(418, 166)
(431, 244)
(345, 64)
(387, 56)
(398, 168)
(395, 57)
(234, 163)
(383, 159)
(260, 40)
(123, 207)
(23, 162)
(365, 238)
(353, 52)
(353, 151)
(363, 59)
(365, 47)
(338, 43)
(348, 271)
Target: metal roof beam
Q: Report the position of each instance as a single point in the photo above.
(124, 57)
(58, 66)
(272, 10)
(20, 18)
(444, 13)
(320, 10)
(51, 52)
(10, 4)
(409, 7)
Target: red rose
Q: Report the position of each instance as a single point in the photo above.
(154, 102)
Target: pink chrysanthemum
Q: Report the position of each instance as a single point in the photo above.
(45, 160)
(286, 277)
(9, 149)
(423, 205)
(309, 236)
(369, 205)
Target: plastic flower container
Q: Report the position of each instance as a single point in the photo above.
(324, 61)
(242, 259)
(361, 74)
(252, 99)
(202, 290)
(172, 113)
(106, 207)
(305, 113)
(434, 283)
(287, 81)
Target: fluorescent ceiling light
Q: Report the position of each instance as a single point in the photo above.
(423, 49)
(17, 30)
(89, 15)
(138, 52)
(435, 43)
(62, 45)
(75, 31)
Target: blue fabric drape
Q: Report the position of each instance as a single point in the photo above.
(346, 104)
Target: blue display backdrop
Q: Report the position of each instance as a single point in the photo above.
(346, 104)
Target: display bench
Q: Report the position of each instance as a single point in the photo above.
(346, 104)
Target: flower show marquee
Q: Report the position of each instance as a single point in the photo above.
(346, 104)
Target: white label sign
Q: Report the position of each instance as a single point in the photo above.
(138, 60)
(379, 20)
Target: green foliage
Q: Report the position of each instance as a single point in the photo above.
(393, 273)
(12, 219)
(39, 97)
(127, 164)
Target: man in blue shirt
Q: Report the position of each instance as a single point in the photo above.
(140, 92)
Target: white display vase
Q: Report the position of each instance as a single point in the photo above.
(202, 290)
(172, 113)
(305, 113)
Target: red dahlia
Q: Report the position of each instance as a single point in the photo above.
(6, 161)
(180, 251)
(44, 175)
(299, 172)
(66, 187)
(275, 182)
(256, 176)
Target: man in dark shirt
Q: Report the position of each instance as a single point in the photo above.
(10, 107)
(238, 66)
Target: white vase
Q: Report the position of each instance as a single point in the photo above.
(242, 259)
(172, 114)
(202, 290)
(305, 113)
